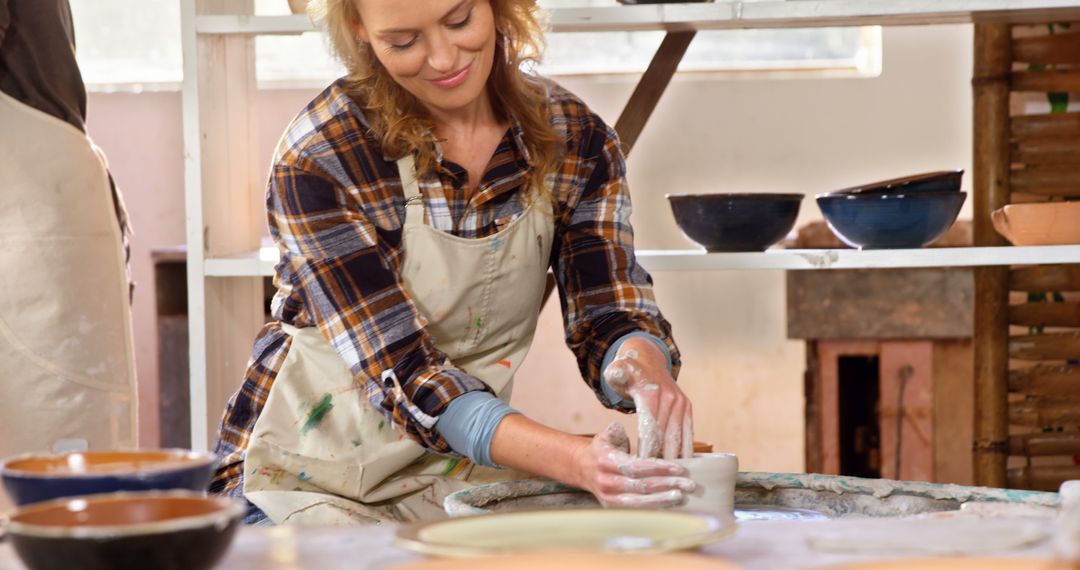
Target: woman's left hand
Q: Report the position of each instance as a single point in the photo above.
(665, 415)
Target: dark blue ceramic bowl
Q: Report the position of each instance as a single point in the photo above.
(890, 221)
(735, 222)
(939, 181)
(34, 478)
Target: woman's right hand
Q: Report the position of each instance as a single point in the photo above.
(617, 479)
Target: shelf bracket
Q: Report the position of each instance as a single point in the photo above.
(651, 87)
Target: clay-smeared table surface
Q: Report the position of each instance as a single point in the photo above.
(757, 545)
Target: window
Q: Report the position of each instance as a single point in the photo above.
(853, 50)
(130, 45)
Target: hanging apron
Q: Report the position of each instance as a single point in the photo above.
(68, 376)
(481, 298)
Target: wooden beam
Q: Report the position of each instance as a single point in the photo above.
(233, 212)
(1042, 477)
(1045, 314)
(1061, 180)
(812, 412)
(1067, 80)
(1053, 152)
(651, 87)
(1039, 413)
(1045, 444)
(1048, 125)
(1050, 380)
(1049, 49)
(1045, 279)
(993, 62)
(1048, 346)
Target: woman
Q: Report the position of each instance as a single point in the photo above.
(418, 204)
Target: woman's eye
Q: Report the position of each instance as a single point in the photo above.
(462, 22)
(404, 45)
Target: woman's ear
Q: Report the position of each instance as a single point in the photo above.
(362, 34)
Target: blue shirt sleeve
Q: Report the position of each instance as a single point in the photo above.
(470, 420)
(469, 423)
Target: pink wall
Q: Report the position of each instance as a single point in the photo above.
(141, 136)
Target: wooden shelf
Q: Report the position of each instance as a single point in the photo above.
(730, 15)
(262, 263)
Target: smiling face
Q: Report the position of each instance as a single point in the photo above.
(441, 51)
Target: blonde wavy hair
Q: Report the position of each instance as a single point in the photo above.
(399, 120)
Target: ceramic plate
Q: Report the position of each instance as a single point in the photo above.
(575, 561)
(961, 564)
(603, 530)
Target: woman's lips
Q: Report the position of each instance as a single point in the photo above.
(454, 79)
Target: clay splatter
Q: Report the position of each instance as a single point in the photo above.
(318, 412)
(304, 476)
(382, 423)
(357, 443)
(505, 362)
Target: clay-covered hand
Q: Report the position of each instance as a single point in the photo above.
(617, 479)
(665, 416)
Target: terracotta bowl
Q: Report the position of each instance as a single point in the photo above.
(735, 222)
(939, 181)
(34, 478)
(1040, 223)
(890, 221)
(120, 531)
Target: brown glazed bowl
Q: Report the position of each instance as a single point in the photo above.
(126, 531)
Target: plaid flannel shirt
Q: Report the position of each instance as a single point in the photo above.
(336, 209)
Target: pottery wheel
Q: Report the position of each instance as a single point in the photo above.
(744, 513)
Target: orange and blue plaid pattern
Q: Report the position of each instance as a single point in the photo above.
(335, 209)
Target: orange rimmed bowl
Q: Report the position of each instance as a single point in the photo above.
(33, 478)
(121, 531)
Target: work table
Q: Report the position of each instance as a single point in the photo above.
(757, 545)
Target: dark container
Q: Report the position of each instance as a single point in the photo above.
(126, 531)
(735, 222)
(890, 221)
(939, 181)
(33, 478)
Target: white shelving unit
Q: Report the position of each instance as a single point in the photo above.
(728, 15)
(223, 193)
(262, 262)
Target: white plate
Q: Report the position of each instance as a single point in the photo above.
(594, 530)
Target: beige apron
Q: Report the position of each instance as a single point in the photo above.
(481, 298)
(68, 376)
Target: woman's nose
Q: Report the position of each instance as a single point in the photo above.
(442, 54)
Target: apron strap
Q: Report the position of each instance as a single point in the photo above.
(414, 201)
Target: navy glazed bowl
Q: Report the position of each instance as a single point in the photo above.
(33, 478)
(939, 181)
(890, 221)
(735, 222)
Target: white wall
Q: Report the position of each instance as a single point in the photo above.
(707, 135)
